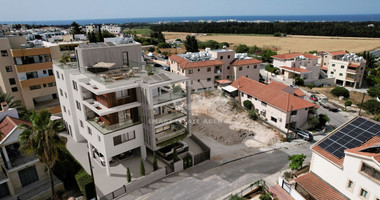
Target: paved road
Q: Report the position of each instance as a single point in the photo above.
(209, 180)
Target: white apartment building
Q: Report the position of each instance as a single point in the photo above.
(114, 29)
(111, 102)
(347, 69)
(208, 67)
(301, 65)
(345, 164)
(276, 103)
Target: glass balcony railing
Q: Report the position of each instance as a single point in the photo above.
(168, 97)
(160, 119)
(106, 129)
(169, 134)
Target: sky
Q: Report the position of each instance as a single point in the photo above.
(33, 10)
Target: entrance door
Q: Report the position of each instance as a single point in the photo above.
(28, 175)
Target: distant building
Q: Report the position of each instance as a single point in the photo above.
(206, 68)
(276, 102)
(114, 29)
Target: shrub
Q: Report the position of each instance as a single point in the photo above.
(265, 196)
(374, 91)
(129, 177)
(163, 45)
(252, 115)
(277, 34)
(323, 119)
(248, 104)
(313, 121)
(340, 91)
(271, 69)
(155, 166)
(241, 48)
(310, 86)
(142, 168)
(347, 103)
(299, 81)
(85, 184)
(371, 106)
(236, 197)
(296, 161)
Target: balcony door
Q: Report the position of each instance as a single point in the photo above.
(125, 58)
(28, 176)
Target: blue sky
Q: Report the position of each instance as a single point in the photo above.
(29, 10)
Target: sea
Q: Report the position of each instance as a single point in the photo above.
(285, 18)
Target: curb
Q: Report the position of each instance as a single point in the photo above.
(257, 153)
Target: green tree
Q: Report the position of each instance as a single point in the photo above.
(142, 168)
(296, 161)
(372, 106)
(248, 104)
(175, 155)
(310, 86)
(314, 121)
(164, 45)
(340, 91)
(236, 197)
(158, 37)
(75, 29)
(42, 139)
(13, 103)
(323, 119)
(65, 58)
(252, 115)
(265, 196)
(299, 81)
(191, 44)
(374, 91)
(129, 177)
(347, 103)
(277, 34)
(253, 50)
(155, 165)
(107, 34)
(165, 53)
(241, 48)
(91, 36)
(99, 35)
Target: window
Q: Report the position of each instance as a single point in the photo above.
(4, 53)
(370, 171)
(340, 74)
(14, 89)
(273, 119)
(331, 65)
(240, 68)
(228, 77)
(246, 76)
(62, 77)
(8, 68)
(122, 94)
(242, 94)
(331, 72)
(221, 57)
(350, 184)
(64, 109)
(66, 95)
(199, 70)
(30, 75)
(44, 71)
(228, 67)
(75, 86)
(12, 81)
(57, 75)
(263, 103)
(35, 87)
(125, 58)
(44, 84)
(78, 105)
(52, 84)
(363, 193)
(209, 69)
(190, 71)
(99, 138)
(81, 123)
(89, 130)
(50, 72)
(294, 112)
(249, 96)
(254, 66)
(247, 67)
(124, 138)
(342, 66)
(228, 56)
(199, 80)
(208, 79)
(60, 91)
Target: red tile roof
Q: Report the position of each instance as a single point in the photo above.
(9, 123)
(317, 188)
(336, 53)
(372, 142)
(187, 64)
(324, 68)
(296, 69)
(352, 65)
(272, 95)
(223, 81)
(280, 86)
(245, 62)
(294, 55)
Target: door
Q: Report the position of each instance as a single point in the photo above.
(4, 190)
(28, 175)
(125, 58)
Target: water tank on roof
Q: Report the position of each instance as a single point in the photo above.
(207, 50)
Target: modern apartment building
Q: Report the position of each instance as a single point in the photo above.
(347, 69)
(276, 103)
(301, 65)
(21, 176)
(116, 104)
(207, 67)
(26, 72)
(345, 164)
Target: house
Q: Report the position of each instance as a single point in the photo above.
(347, 69)
(345, 164)
(276, 103)
(114, 103)
(20, 174)
(206, 68)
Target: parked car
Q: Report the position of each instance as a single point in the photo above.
(157, 65)
(293, 86)
(102, 158)
(167, 152)
(167, 68)
(124, 155)
(313, 97)
(304, 134)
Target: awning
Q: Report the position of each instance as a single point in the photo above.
(223, 81)
(104, 65)
(229, 89)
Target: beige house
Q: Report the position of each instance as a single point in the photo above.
(208, 67)
(276, 103)
(26, 72)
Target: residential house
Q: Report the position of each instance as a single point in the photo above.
(276, 103)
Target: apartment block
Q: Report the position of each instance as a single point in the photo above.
(27, 73)
(277, 103)
(301, 65)
(208, 67)
(21, 176)
(345, 164)
(114, 102)
(347, 69)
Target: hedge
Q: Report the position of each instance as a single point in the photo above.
(85, 184)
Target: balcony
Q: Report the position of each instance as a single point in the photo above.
(169, 134)
(168, 97)
(106, 129)
(20, 160)
(350, 71)
(164, 118)
(37, 81)
(34, 67)
(217, 71)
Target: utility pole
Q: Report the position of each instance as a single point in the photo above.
(361, 104)
(92, 174)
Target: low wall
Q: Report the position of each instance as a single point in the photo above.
(178, 166)
(320, 82)
(292, 191)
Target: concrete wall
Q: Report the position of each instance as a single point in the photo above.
(15, 179)
(227, 57)
(250, 71)
(335, 70)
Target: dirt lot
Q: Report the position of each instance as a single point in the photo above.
(229, 133)
(355, 97)
(291, 43)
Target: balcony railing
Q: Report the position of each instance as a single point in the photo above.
(168, 97)
(160, 119)
(351, 71)
(167, 135)
(20, 160)
(106, 129)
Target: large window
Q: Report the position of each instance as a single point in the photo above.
(35, 87)
(12, 81)
(4, 53)
(124, 138)
(121, 94)
(8, 68)
(28, 175)
(75, 86)
(32, 59)
(30, 75)
(370, 171)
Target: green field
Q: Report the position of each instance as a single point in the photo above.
(140, 31)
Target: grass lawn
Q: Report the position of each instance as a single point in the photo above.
(140, 30)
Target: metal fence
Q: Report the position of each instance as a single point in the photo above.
(245, 191)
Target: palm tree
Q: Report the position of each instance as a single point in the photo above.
(42, 139)
(13, 103)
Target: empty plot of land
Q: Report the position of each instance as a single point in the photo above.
(291, 43)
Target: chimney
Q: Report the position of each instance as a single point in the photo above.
(4, 106)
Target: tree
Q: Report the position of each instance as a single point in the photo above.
(64, 59)
(158, 37)
(129, 177)
(374, 91)
(175, 155)
(265, 196)
(155, 166)
(310, 86)
(314, 121)
(91, 36)
(299, 81)
(241, 48)
(100, 35)
(142, 168)
(163, 45)
(42, 139)
(13, 103)
(340, 91)
(75, 28)
(252, 115)
(248, 104)
(323, 119)
(191, 44)
(107, 34)
(151, 49)
(296, 161)
(371, 106)
(347, 103)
